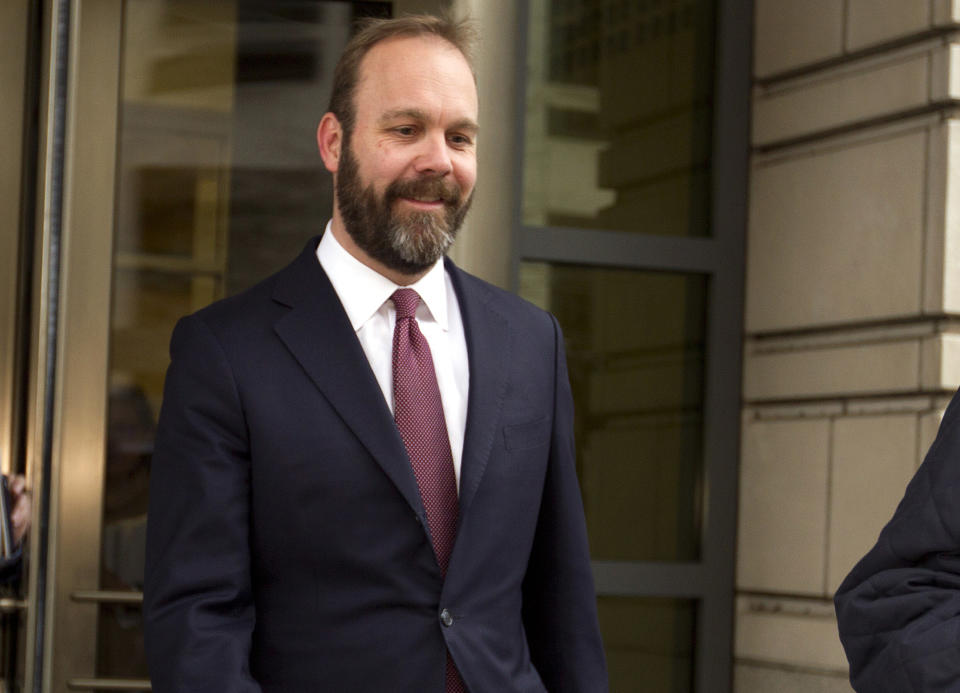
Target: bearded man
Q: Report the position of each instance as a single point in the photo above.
(364, 475)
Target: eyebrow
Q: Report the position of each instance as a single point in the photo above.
(416, 114)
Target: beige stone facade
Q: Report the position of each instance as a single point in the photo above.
(853, 292)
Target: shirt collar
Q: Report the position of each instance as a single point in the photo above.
(362, 290)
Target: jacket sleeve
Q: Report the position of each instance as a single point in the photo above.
(559, 601)
(198, 605)
(899, 609)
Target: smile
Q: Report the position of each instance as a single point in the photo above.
(423, 203)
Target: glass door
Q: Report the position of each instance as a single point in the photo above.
(16, 162)
(190, 172)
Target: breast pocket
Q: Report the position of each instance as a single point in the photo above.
(527, 436)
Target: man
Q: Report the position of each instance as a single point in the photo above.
(364, 475)
(899, 609)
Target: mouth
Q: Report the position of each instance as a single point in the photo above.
(423, 202)
(424, 195)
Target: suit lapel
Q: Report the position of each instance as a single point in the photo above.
(318, 333)
(488, 346)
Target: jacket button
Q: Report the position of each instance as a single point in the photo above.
(446, 618)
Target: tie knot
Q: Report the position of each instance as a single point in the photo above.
(406, 302)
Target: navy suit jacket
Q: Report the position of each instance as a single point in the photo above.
(287, 547)
(899, 609)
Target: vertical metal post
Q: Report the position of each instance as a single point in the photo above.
(54, 233)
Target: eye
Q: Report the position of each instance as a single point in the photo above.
(405, 130)
(460, 140)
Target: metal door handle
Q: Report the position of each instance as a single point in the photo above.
(95, 684)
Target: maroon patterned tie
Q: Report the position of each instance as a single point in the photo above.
(418, 411)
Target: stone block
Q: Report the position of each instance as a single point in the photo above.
(887, 406)
(787, 636)
(865, 90)
(940, 365)
(870, 22)
(946, 12)
(854, 369)
(929, 424)
(794, 410)
(942, 253)
(873, 459)
(791, 34)
(750, 678)
(941, 212)
(944, 77)
(836, 235)
(946, 238)
(783, 506)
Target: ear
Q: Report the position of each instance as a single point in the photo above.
(329, 141)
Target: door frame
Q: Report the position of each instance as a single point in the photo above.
(66, 402)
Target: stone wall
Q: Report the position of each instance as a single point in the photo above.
(853, 307)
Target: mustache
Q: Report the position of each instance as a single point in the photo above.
(432, 187)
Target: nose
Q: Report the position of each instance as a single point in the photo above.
(434, 156)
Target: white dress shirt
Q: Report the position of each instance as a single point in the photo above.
(365, 295)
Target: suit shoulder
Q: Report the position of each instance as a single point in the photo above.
(256, 304)
(517, 310)
(238, 309)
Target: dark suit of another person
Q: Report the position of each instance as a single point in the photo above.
(899, 609)
(287, 547)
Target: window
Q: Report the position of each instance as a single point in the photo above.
(630, 231)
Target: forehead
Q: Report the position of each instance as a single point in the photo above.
(417, 72)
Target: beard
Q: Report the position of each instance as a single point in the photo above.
(409, 242)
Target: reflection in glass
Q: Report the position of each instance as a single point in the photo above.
(218, 185)
(635, 351)
(649, 643)
(619, 115)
